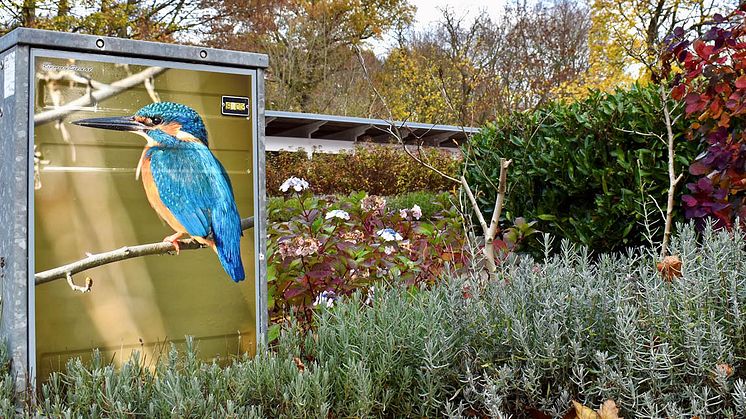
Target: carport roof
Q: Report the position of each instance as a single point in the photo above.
(353, 129)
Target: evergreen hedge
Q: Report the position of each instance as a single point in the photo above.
(588, 170)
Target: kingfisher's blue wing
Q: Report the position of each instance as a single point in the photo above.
(195, 188)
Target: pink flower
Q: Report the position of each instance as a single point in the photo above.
(416, 212)
(298, 247)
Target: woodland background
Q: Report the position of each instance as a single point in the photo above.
(457, 71)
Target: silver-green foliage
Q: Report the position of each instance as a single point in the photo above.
(573, 327)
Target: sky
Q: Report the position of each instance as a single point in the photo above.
(429, 11)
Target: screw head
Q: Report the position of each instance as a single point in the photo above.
(100, 43)
(203, 54)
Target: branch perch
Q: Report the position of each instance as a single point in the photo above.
(105, 92)
(127, 252)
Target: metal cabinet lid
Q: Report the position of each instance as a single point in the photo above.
(128, 47)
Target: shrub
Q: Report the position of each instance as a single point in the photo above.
(376, 169)
(567, 329)
(585, 170)
(327, 248)
(712, 84)
(431, 203)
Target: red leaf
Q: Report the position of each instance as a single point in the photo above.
(294, 292)
(702, 49)
(678, 92)
(741, 82)
(689, 200)
(698, 169)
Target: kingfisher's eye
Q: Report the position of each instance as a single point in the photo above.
(156, 120)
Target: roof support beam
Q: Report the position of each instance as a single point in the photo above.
(403, 132)
(436, 139)
(303, 131)
(350, 134)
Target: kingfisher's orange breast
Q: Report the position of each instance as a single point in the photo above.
(151, 191)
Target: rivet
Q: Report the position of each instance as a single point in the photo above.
(100, 43)
(203, 54)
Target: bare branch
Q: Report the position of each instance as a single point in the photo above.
(673, 179)
(97, 96)
(127, 252)
(474, 205)
(500, 200)
(393, 129)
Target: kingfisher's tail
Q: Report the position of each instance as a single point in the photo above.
(226, 226)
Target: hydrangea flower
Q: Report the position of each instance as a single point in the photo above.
(293, 182)
(389, 235)
(416, 212)
(337, 214)
(373, 203)
(298, 247)
(389, 250)
(326, 298)
(353, 236)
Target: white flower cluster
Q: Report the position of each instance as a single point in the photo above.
(326, 298)
(389, 235)
(297, 184)
(337, 214)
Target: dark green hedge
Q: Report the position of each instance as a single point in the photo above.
(583, 169)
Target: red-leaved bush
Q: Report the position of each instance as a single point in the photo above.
(709, 75)
(329, 247)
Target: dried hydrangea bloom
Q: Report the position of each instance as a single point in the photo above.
(353, 236)
(298, 247)
(373, 203)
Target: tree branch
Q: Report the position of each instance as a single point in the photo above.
(105, 92)
(127, 252)
(672, 177)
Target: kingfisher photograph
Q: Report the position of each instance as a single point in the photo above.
(131, 155)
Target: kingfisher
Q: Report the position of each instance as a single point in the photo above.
(184, 182)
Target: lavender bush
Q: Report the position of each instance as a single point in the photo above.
(571, 328)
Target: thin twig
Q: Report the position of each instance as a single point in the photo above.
(393, 129)
(127, 252)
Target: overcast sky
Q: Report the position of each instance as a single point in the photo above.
(429, 11)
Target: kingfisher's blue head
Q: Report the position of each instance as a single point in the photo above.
(163, 122)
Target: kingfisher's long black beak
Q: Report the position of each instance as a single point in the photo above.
(116, 123)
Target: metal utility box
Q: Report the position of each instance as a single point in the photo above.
(70, 192)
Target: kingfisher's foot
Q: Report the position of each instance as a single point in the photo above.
(174, 240)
